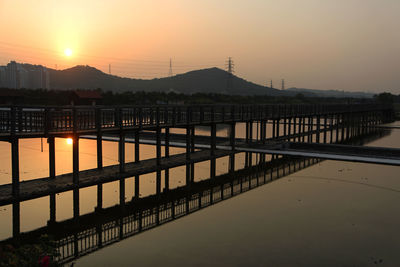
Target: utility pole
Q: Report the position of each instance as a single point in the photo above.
(170, 68)
(230, 66)
(271, 84)
(283, 84)
(109, 69)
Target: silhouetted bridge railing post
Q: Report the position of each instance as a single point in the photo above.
(301, 123)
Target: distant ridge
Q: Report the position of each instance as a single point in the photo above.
(329, 93)
(212, 80)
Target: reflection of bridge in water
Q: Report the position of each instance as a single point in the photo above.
(299, 128)
(75, 238)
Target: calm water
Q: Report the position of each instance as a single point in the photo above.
(333, 213)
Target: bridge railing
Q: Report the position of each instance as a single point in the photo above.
(48, 119)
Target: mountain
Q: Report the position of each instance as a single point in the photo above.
(329, 93)
(212, 80)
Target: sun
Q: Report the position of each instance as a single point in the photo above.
(69, 141)
(68, 52)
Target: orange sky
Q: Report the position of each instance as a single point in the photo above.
(344, 44)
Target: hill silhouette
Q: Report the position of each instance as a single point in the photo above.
(212, 80)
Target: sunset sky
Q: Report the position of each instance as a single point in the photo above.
(348, 45)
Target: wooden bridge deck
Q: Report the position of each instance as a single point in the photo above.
(44, 186)
(376, 155)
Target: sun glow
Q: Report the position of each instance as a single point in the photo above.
(69, 141)
(68, 52)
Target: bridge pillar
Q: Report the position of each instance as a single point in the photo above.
(187, 156)
(232, 144)
(250, 141)
(277, 127)
(166, 172)
(76, 203)
(15, 166)
(284, 124)
(212, 150)
(263, 127)
(246, 161)
(99, 146)
(121, 156)
(325, 130)
(137, 160)
(52, 175)
(99, 140)
(158, 160)
(99, 232)
(99, 197)
(337, 128)
(75, 159)
(318, 129)
(347, 126)
(273, 129)
(16, 227)
(343, 130)
(121, 152)
(192, 150)
(331, 128)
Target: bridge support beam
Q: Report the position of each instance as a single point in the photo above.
(158, 160)
(99, 146)
(212, 150)
(325, 130)
(192, 150)
(52, 175)
(137, 160)
(75, 159)
(188, 143)
(166, 172)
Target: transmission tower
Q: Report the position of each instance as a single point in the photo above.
(230, 68)
(283, 84)
(109, 69)
(170, 68)
(271, 84)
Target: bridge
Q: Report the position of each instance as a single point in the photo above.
(317, 131)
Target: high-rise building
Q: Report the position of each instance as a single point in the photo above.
(11, 75)
(3, 70)
(22, 77)
(16, 76)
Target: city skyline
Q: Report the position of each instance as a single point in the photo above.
(345, 45)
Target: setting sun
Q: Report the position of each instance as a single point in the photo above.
(69, 141)
(68, 52)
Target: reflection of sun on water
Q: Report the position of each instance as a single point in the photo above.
(69, 141)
